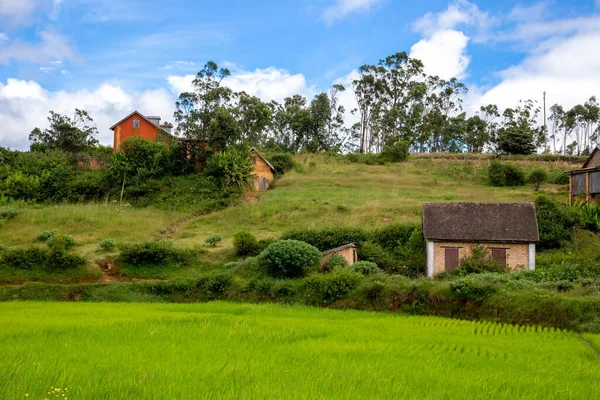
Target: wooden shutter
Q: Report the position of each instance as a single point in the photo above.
(499, 255)
(451, 258)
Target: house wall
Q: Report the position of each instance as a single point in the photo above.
(517, 255)
(125, 130)
(595, 161)
(262, 173)
(347, 254)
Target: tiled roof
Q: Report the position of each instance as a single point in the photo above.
(480, 222)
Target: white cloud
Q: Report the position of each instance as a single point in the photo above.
(342, 8)
(567, 70)
(24, 105)
(267, 84)
(458, 13)
(17, 8)
(52, 46)
(443, 54)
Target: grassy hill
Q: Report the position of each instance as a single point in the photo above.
(322, 192)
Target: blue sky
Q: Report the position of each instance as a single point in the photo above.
(113, 56)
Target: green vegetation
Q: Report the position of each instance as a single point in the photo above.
(257, 351)
(289, 258)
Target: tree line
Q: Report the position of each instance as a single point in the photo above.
(395, 101)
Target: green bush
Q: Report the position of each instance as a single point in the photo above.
(245, 244)
(327, 239)
(374, 253)
(289, 258)
(496, 174)
(396, 152)
(537, 177)
(35, 258)
(412, 255)
(232, 168)
(480, 261)
(8, 213)
(514, 175)
(107, 245)
(282, 162)
(556, 223)
(44, 236)
(393, 236)
(61, 241)
(323, 289)
(365, 268)
(505, 174)
(153, 253)
(29, 258)
(334, 262)
(213, 240)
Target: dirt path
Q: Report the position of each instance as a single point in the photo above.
(589, 344)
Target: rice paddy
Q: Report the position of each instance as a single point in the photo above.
(223, 350)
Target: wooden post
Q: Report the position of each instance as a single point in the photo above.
(587, 187)
(570, 189)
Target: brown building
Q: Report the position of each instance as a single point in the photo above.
(585, 182)
(263, 173)
(452, 230)
(348, 252)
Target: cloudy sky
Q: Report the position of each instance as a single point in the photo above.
(111, 57)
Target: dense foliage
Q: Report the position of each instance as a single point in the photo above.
(505, 174)
(289, 258)
(556, 223)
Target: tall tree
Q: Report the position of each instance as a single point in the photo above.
(71, 135)
(518, 133)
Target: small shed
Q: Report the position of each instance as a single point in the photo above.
(451, 231)
(585, 182)
(349, 252)
(263, 172)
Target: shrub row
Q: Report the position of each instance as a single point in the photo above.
(485, 296)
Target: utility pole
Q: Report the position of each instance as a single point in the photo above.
(544, 110)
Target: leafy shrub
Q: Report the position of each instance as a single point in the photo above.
(556, 223)
(396, 152)
(44, 236)
(478, 262)
(412, 255)
(264, 243)
(334, 262)
(321, 289)
(505, 174)
(212, 240)
(245, 244)
(558, 177)
(61, 241)
(289, 258)
(326, 239)
(35, 258)
(374, 253)
(472, 288)
(107, 244)
(153, 253)
(365, 268)
(590, 215)
(496, 174)
(25, 258)
(392, 236)
(282, 162)
(60, 259)
(537, 177)
(232, 168)
(8, 213)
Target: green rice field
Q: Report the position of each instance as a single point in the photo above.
(242, 351)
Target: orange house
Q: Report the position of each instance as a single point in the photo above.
(136, 124)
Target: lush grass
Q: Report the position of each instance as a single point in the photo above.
(88, 223)
(222, 350)
(334, 193)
